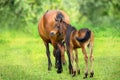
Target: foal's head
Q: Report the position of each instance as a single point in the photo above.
(59, 28)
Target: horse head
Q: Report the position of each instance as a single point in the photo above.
(58, 29)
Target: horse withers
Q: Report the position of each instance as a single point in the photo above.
(75, 39)
(45, 25)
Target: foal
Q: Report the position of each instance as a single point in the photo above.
(75, 39)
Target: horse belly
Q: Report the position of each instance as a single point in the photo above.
(43, 32)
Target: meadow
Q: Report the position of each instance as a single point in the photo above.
(23, 57)
(22, 52)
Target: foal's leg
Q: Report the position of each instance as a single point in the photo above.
(86, 61)
(48, 55)
(62, 49)
(63, 54)
(72, 57)
(91, 60)
(76, 60)
(69, 60)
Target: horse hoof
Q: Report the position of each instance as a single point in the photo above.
(78, 72)
(49, 68)
(59, 71)
(84, 77)
(91, 74)
(86, 74)
(74, 74)
(70, 71)
(64, 63)
(55, 66)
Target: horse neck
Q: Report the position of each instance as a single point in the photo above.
(66, 25)
(70, 30)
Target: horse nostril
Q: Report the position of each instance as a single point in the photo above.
(52, 34)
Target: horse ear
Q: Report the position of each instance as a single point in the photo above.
(56, 20)
(61, 19)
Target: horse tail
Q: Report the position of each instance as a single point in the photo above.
(86, 37)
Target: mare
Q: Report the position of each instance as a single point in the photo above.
(75, 39)
(45, 25)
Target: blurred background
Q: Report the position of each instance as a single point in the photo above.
(23, 15)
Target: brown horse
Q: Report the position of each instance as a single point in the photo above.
(75, 39)
(46, 24)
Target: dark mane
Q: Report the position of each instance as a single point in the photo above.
(59, 16)
(69, 30)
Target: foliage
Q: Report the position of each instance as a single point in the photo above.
(17, 14)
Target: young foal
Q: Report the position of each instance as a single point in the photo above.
(75, 39)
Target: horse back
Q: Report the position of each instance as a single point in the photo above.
(86, 37)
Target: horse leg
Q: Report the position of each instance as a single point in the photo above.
(72, 57)
(62, 49)
(58, 58)
(76, 60)
(63, 54)
(48, 55)
(69, 60)
(54, 53)
(91, 61)
(86, 61)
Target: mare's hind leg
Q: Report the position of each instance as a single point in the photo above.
(91, 60)
(76, 60)
(86, 61)
(48, 55)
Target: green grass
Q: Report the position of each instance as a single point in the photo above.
(23, 57)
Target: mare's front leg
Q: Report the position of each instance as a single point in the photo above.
(54, 53)
(48, 55)
(58, 58)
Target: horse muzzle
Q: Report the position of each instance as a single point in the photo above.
(52, 33)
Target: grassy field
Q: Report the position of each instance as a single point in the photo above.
(22, 57)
